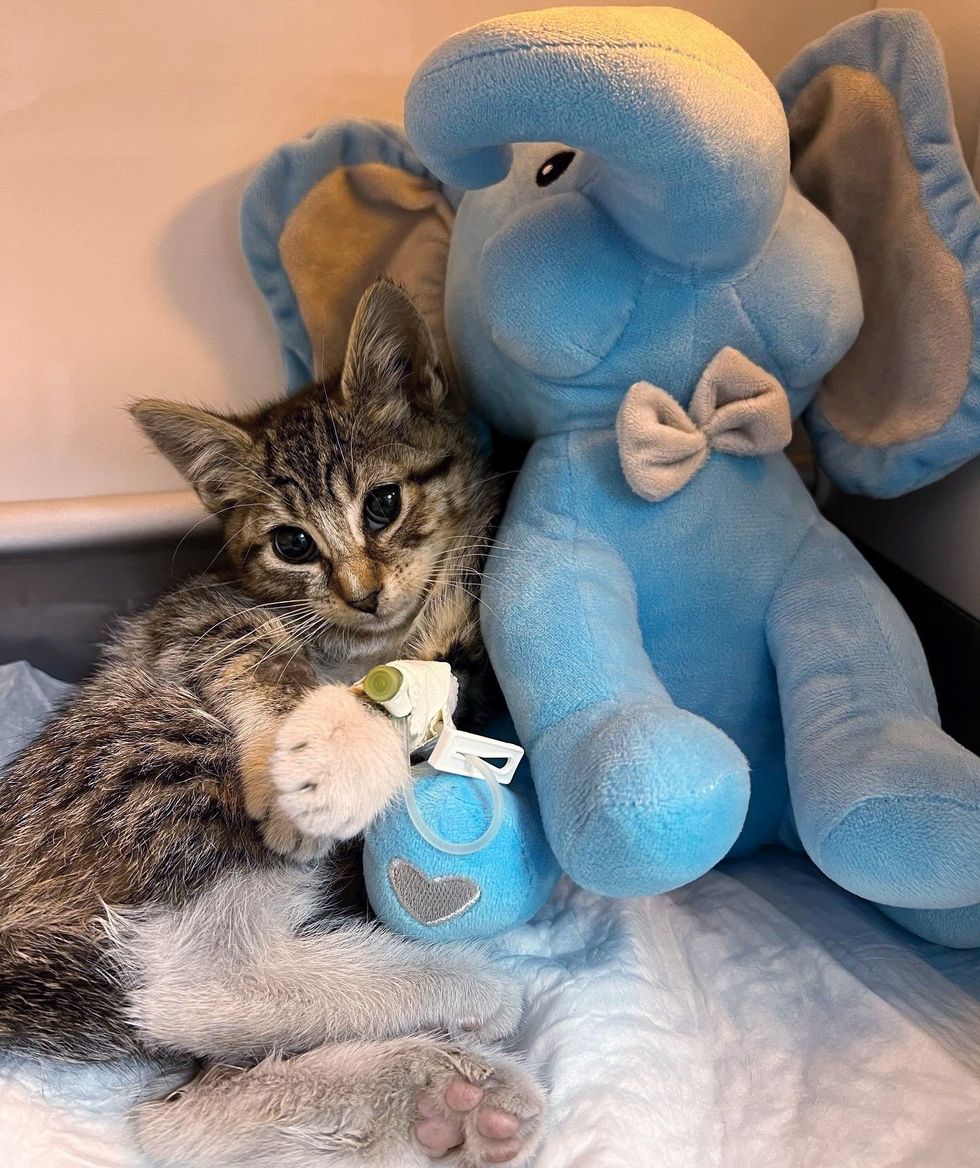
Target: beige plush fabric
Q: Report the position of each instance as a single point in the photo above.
(358, 223)
(908, 370)
(660, 448)
(740, 407)
(737, 408)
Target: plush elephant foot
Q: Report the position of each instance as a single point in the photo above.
(423, 892)
(639, 798)
(957, 928)
(913, 837)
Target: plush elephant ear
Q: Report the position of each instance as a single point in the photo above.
(875, 148)
(325, 216)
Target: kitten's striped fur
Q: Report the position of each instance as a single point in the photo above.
(210, 753)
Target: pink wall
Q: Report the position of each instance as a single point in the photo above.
(127, 129)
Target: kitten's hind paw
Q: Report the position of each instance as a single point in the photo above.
(402, 1103)
(482, 1109)
(336, 765)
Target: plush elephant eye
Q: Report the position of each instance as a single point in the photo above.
(554, 168)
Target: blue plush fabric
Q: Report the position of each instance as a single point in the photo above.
(899, 48)
(512, 876)
(720, 669)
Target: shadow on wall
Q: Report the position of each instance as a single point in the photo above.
(203, 271)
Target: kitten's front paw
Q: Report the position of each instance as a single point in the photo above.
(336, 765)
(481, 999)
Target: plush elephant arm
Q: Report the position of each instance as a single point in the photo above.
(637, 796)
(885, 802)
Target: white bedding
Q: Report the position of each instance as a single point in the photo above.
(757, 1018)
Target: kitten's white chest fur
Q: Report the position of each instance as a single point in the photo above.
(354, 666)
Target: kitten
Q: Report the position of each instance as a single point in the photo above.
(217, 750)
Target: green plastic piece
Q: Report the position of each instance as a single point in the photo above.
(382, 683)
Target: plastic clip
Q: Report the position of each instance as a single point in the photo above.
(455, 753)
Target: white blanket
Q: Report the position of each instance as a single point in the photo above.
(757, 1018)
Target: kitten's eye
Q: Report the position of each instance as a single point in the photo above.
(294, 545)
(554, 168)
(381, 506)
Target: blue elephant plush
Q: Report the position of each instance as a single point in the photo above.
(658, 263)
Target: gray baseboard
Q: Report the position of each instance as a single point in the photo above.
(57, 605)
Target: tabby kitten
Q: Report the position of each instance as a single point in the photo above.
(217, 751)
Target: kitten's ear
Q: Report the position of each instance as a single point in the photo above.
(206, 448)
(390, 349)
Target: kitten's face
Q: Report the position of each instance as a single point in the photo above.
(344, 504)
(349, 511)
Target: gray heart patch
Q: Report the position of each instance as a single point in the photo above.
(431, 900)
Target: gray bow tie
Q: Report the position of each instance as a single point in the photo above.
(737, 408)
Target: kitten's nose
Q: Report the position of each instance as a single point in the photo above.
(366, 603)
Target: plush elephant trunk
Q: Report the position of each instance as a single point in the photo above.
(689, 135)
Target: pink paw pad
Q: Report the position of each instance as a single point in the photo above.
(439, 1134)
(503, 1152)
(497, 1125)
(462, 1096)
